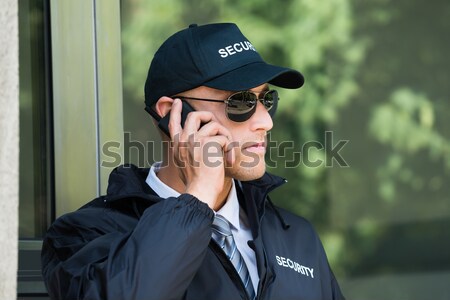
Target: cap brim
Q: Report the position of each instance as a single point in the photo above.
(255, 74)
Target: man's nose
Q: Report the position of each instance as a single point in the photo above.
(261, 119)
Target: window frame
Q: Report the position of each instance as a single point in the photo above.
(84, 59)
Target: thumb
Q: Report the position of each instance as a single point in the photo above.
(230, 154)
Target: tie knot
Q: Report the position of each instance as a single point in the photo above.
(221, 226)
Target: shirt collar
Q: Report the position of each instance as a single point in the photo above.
(230, 210)
(160, 188)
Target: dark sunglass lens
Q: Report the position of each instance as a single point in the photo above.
(270, 99)
(242, 117)
(241, 103)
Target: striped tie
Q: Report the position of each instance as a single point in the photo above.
(221, 233)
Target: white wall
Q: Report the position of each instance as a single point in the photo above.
(9, 146)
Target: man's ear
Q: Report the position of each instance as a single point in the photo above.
(163, 106)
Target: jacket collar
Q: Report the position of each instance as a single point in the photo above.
(259, 188)
(128, 181)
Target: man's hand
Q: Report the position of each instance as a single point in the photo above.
(204, 177)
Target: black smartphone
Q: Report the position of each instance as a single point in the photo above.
(163, 123)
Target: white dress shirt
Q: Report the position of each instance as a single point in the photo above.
(231, 211)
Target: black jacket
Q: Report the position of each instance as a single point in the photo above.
(132, 244)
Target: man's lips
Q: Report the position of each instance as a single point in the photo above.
(255, 147)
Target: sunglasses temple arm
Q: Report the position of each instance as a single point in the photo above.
(153, 113)
(202, 99)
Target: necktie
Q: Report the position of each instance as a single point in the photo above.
(221, 233)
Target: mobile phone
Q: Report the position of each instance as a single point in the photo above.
(163, 123)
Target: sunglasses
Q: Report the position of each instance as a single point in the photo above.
(241, 106)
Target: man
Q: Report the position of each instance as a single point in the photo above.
(198, 225)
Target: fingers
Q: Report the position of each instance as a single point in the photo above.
(193, 124)
(205, 124)
(213, 129)
(202, 149)
(202, 131)
(175, 119)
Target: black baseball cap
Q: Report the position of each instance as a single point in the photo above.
(214, 55)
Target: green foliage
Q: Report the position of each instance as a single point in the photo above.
(392, 203)
(406, 123)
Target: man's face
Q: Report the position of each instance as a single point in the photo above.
(248, 137)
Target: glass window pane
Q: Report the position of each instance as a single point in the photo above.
(35, 190)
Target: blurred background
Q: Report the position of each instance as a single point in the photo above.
(377, 89)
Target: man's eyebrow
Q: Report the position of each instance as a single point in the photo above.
(264, 89)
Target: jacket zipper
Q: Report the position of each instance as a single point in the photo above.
(260, 295)
(234, 275)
